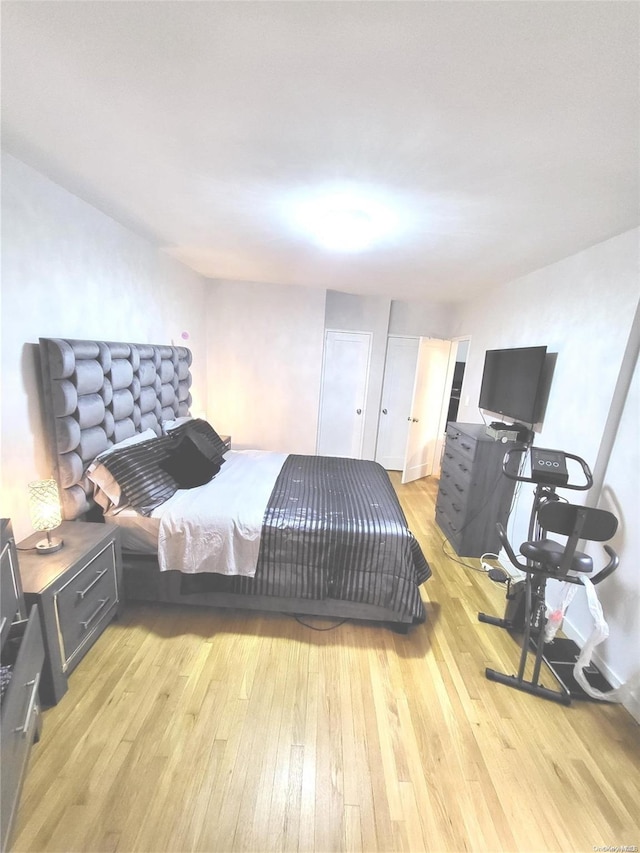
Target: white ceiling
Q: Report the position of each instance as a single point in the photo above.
(502, 136)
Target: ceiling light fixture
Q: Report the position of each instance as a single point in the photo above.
(344, 229)
(344, 221)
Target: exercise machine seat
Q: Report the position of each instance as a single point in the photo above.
(546, 555)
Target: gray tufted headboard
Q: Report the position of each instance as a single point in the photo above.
(96, 393)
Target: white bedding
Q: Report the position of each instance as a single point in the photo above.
(215, 527)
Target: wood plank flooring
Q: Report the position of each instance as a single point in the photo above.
(186, 729)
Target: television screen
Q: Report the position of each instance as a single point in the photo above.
(511, 383)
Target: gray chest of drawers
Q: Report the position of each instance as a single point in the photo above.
(78, 592)
(474, 493)
(22, 660)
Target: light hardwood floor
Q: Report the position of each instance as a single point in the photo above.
(186, 729)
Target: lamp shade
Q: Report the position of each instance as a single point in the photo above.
(44, 504)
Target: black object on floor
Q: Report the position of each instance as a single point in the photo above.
(561, 656)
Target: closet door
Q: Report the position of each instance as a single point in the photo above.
(397, 395)
(345, 376)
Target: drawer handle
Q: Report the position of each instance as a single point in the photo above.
(34, 684)
(443, 492)
(449, 455)
(455, 506)
(459, 488)
(463, 469)
(83, 592)
(466, 446)
(99, 608)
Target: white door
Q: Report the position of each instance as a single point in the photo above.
(345, 376)
(395, 407)
(422, 456)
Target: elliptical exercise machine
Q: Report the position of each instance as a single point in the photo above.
(548, 558)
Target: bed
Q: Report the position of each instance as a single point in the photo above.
(320, 536)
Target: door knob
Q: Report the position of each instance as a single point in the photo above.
(358, 411)
(384, 411)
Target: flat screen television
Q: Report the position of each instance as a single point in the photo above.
(511, 383)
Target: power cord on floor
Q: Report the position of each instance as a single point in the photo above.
(313, 628)
(483, 561)
(455, 559)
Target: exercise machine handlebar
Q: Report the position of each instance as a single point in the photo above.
(522, 448)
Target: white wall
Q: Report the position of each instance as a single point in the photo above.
(264, 345)
(421, 319)
(70, 271)
(620, 593)
(581, 308)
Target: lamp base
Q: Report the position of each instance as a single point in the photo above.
(49, 545)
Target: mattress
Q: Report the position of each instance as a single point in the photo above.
(138, 533)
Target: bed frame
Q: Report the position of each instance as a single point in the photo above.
(96, 393)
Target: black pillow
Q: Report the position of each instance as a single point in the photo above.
(209, 441)
(189, 462)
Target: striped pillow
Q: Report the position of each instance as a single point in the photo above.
(144, 484)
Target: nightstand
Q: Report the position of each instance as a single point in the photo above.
(78, 591)
(22, 661)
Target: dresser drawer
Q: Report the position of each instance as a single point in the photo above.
(19, 718)
(448, 527)
(464, 444)
(455, 465)
(8, 588)
(453, 508)
(474, 494)
(85, 600)
(454, 490)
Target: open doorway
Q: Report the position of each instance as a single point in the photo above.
(460, 351)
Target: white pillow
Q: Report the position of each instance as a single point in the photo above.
(167, 426)
(107, 492)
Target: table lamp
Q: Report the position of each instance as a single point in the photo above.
(44, 508)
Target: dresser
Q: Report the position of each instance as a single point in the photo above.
(22, 660)
(78, 591)
(474, 493)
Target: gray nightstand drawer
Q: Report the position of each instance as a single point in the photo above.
(8, 590)
(78, 592)
(85, 600)
(20, 711)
